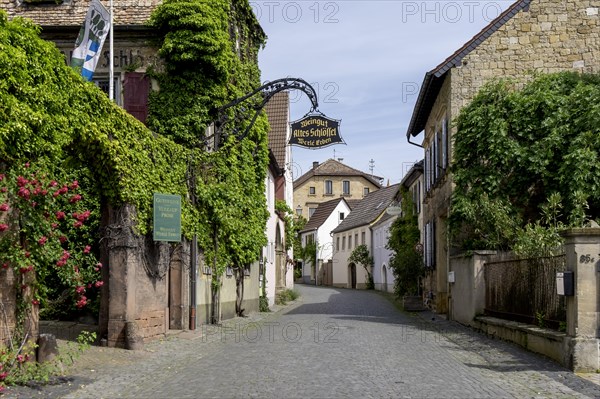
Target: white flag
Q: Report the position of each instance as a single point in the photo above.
(90, 40)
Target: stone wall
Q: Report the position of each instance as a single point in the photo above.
(552, 36)
(436, 205)
(228, 295)
(141, 289)
(7, 304)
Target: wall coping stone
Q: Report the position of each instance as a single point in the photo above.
(527, 328)
(585, 231)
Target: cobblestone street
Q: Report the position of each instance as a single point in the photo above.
(329, 343)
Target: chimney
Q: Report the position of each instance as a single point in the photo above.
(315, 164)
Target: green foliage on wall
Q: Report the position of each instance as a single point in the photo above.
(362, 256)
(406, 262)
(514, 148)
(50, 113)
(210, 51)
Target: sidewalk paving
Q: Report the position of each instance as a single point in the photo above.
(97, 366)
(99, 360)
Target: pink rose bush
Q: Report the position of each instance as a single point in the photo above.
(45, 237)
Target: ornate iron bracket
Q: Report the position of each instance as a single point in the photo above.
(267, 91)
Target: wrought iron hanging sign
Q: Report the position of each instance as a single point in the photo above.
(315, 131)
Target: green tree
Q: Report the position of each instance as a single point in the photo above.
(515, 148)
(406, 261)
(362, 256)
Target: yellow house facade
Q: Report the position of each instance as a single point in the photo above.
(329, 180)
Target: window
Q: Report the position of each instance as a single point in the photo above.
(311, 211)
(365, 191)
(350, 241)
(342, 216)
(312, 190)
(429, 245)
(346, 187)
(328, 187)
(102, 83)
(362, 238)
(337, 244)
(355, 240)
(436, 156)
(343, 243)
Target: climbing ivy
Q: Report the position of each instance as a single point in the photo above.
(516, 147)
(210, 53)
(406, 261)
(49, 113)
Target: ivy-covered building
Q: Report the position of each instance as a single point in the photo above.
(148, 284)
(135, 43)
(530, 36)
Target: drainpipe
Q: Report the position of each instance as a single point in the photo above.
(316, 258)
(410, 142)
(193, 268)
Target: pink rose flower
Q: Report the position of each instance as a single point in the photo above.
(75, 198)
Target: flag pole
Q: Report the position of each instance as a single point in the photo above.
(111, 73)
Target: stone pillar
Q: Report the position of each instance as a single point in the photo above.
(582, 248)
(123, 253)
(8, 304)
(179, 290)
(467, 292)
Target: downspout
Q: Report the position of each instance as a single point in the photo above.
(193, 268)
(410, 142)
(316, 256)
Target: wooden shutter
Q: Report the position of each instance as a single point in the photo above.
(136, 88)
(444, 144)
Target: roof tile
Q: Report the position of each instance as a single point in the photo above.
(369, 209)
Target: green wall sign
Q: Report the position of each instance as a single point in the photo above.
(167, 217)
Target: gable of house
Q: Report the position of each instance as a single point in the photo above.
(370, 209)
(329, 180)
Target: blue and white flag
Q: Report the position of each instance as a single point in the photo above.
(90, 40)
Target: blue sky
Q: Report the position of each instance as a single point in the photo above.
(366, 60)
